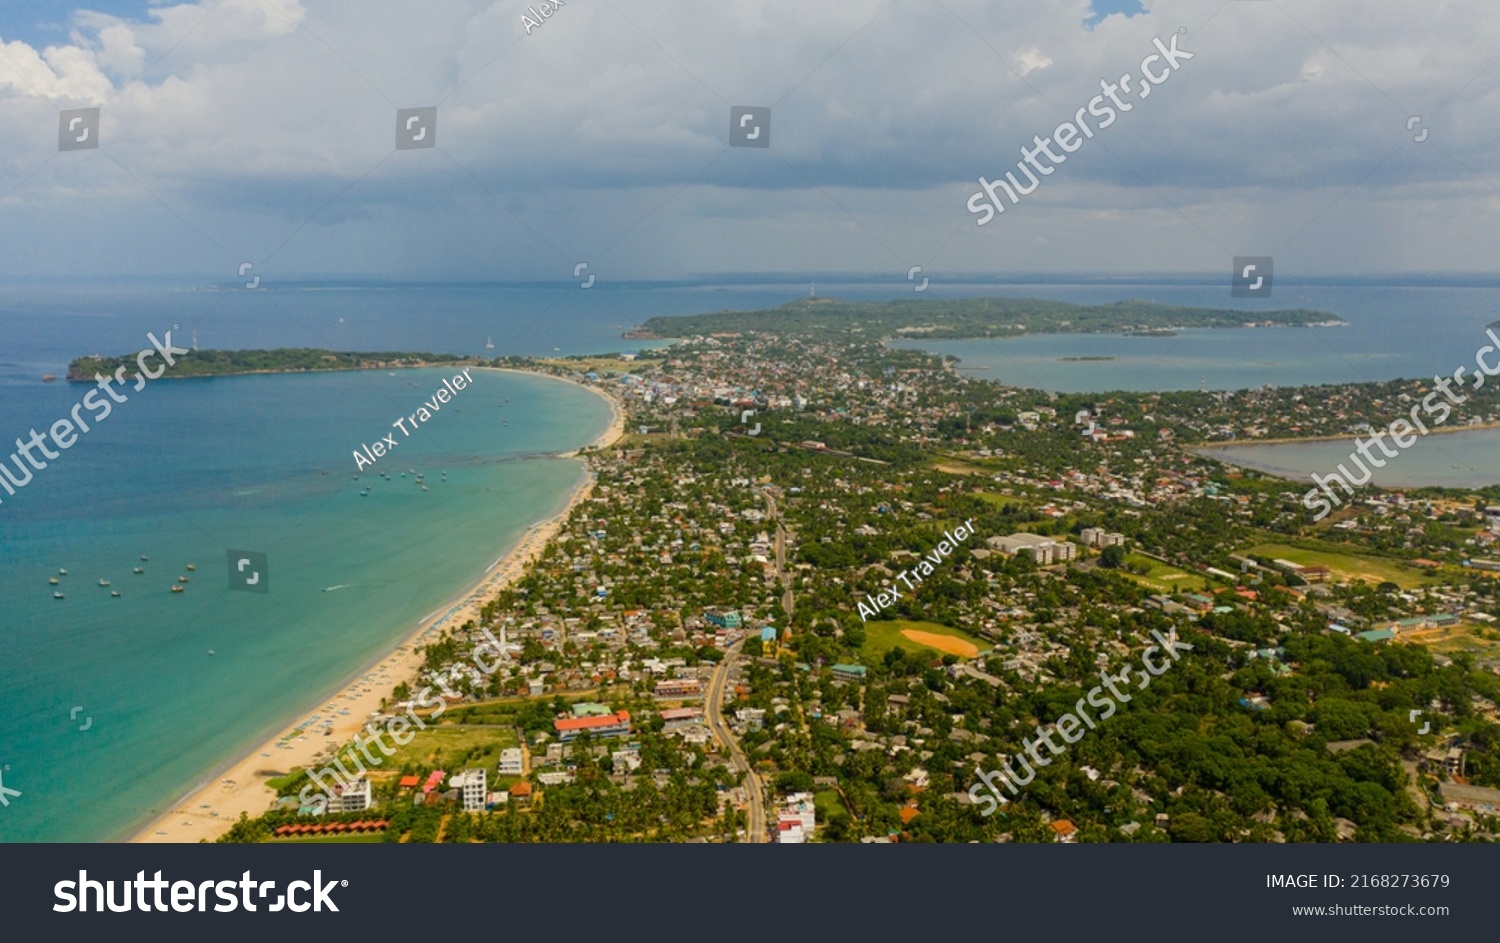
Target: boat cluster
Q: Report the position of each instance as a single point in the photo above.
(105, 584)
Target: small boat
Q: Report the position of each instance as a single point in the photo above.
(489, 343)
(57, 595)
(191, 568)
(424, 487)
(114, 594)
(182, 579)
(52, 580)
(144, 559)
(211, 651)
(177, 588)
(104, 582)
(138, 571)
(62, 572)
(49, 378)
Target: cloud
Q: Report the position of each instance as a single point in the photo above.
(606, 128)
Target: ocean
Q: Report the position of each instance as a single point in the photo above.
(113, 707)
(187, 470)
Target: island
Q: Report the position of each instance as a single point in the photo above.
(968, 318)
(225, 363)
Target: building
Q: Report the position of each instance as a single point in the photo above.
(1101, 538)
(850, 672)
(723, 618)
(679, 688)
(680, 717)
(512, 762)
(473, 787)
(612, 725)
(354, 796)
(1044, 550)
(1481, 798)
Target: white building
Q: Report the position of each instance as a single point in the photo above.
(1044, 550)
(512, 762)
(1099, 537)
(355, 796)
(473, 788)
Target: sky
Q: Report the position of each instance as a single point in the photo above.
(1338, 138)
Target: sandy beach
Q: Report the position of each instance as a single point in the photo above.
(213, 807)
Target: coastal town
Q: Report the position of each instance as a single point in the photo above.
(819, 585)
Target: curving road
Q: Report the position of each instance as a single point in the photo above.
(713, 712)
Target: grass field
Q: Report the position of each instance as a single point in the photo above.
(1163, 577)
(999, 500)
(1348, 566)
(928, 637)
(451, 748)
(829, 805)
(1460, 639)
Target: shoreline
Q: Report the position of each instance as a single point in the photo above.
(208, 809)
(1240, 443)
(1296, 477)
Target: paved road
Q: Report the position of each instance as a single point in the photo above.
(713, 710)
(788, 601)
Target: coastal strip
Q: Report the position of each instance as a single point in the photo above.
(211, 807)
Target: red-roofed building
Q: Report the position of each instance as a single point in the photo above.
(410, 782)
(434, 780)
(607, 725)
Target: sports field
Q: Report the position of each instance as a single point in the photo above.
(881, 637)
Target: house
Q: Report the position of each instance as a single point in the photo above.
(512, 762)
(612, 725)
(855, 673)
(1064, 831)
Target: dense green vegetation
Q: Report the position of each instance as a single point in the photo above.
(219, 363)
(965, 317)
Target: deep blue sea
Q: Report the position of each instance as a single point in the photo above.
(187, 470)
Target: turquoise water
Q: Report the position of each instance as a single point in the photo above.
(1452, 460)
(187, 470)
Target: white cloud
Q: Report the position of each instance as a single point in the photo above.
(254, 113)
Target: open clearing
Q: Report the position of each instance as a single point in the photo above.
(1469, 639)
(1163, 577)
(1347, 566)
(882, 636)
